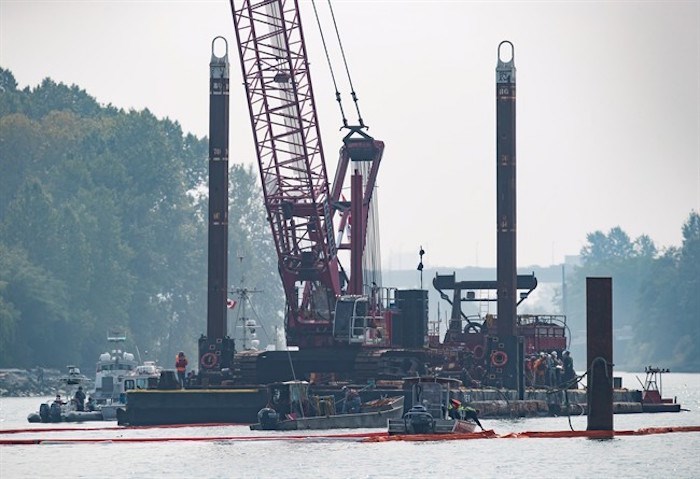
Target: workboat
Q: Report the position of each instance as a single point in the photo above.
(67, 410)
(112, 366)
(143, 376)
(652, 397)
(431, 412)
(117, 372)
(291, 407)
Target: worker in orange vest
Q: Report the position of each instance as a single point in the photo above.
(181, 366)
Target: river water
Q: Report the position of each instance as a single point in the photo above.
(241, 453)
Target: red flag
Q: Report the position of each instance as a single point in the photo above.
(231, 303)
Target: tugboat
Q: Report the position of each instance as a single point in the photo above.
(652, 398)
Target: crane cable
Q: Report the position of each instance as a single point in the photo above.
(347, 69)
(330, 66)
(345, 62)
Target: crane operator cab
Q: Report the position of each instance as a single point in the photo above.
(357, 322)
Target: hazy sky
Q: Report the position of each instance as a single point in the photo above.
(608, 109)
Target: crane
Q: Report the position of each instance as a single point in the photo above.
(325, 303)
(327, 306)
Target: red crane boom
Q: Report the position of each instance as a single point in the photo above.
(298, 197)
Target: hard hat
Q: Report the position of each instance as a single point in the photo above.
(455, 402)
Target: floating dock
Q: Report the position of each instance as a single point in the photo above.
(240, 405)
(194, 406)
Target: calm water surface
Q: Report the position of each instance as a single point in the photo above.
(659, 456)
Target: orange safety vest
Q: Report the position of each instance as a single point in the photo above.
(181, 364)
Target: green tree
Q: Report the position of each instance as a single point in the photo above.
(687, 348)
(656, 297)
(20, 150)
(34, 313)
(105, 207)
(669, 333)
(627, 262)
(7, 81)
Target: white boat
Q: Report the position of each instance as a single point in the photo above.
(144, 376)
(67, 409)
(74, 378)
(117, 372)
(112, 367)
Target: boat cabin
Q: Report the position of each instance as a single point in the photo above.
(434, 393)
(290, 398)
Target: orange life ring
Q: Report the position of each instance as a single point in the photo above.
(209, 360)
(478, 351)
(499, 358)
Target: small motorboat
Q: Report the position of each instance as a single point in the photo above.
(430, 412)
(117, 372)
(68, 410)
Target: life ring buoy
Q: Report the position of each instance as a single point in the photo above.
(478, 351)
(209, 360)
(499, 359)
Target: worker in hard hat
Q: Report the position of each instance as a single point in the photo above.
(352, 402)
(457, 410)
(453, 409)
(181, 366)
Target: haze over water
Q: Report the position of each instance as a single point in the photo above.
(665, 455)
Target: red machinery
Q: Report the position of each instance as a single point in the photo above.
(300, 201)
(326, 305)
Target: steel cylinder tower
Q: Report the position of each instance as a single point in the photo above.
(506, 193)
(216, 349)
(505, 349)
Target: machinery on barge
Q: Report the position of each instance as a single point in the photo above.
(343, 323)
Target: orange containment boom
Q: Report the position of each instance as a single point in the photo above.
(490, 434)
(364, 437)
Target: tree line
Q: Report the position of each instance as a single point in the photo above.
(103, 226)
(656, 297)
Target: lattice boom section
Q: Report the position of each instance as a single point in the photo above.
(284, 121)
